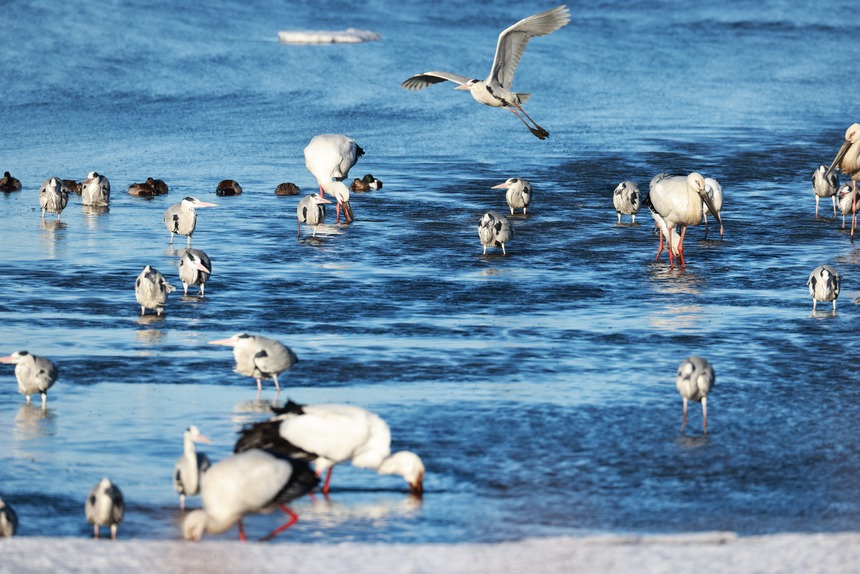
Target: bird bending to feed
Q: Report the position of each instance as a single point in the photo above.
(259, 357)
(845, 199)
(228, 187)
(824, 184)
(151, 290)
(287, 188)
(250, 481)
(330, 435)
(181, 217)
(8, 520)
(341, 195)
(311, 211)
(34, 374)
(95, 190)
(104, 507)
(9, 183)
(695, 380)
(194, 269)
(715, 192)
(678, 201)
(190, 466)
(53, 196)
(626, 200)
(848, 161)
(823, 285)
(329, 157)
(518, 194)
(496, 91)
(495, 230)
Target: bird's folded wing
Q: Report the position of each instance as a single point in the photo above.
(421, 81)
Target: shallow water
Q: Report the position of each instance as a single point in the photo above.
(538, 387)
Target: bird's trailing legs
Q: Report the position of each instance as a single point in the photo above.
(536, 130)
(293, 519)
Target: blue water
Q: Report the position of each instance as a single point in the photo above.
(538, 387)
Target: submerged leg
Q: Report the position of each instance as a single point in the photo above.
(705, 414)
(684, 418)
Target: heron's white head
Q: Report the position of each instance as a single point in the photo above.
(197, 263)
(194, 525)
(509, 183)
(408, 465)
(55, 184)
(467, 86)
(91, 176)
(194, 434)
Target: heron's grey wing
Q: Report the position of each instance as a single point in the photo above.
(118, 505)
(513, 40)
(421, 81)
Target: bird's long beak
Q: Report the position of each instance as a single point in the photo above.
(322, 200)
(202, 267)
(205, 204)
(842, 151)
(200, 437)
(8, 359)
(707, 199)
(465, 87)
(225, 342)
(348, 210)
(500, 186)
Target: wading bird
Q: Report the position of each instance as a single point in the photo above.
(626, 200)
(8, 520)
(824, 184)
(53, 196)
(151, 290)
(845, 199)
(181, 217)
(848, 161)
(330, 435)
(95, 190)
(824, 282)
(495, 230)
(518, 194)
(190, 466)
(695, 380)
(715, 192)
(311, 211)
(259, 357)
(104, 507)
(194, 269)
(329, 157)
(34, 374)
(495, 91)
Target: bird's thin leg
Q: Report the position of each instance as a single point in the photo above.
(660, 248)
(171, 238)
(834, 305)
(28, 400)
(242, 531)
(705, 414)
(113, 531)
(181, 502)
(619, 215)
(327, 481)
(299, 225)
(833, 198)
(337, 212)
(293, 519)
(681, 246)
(95, 530)
(189, 241)
(705, 217)
(816, 206)
(259, 389)
(202, 287)
(670, 248)
(542, 131)
(854, 211)
(684, 418)
(485, 249)
(45, 395)
(322, 192)
(277, 386)
(814, 303)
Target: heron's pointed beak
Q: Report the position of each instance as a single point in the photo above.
(224, 342)
(202, 267)
(200, 437)
(465, 87)
(500, 186)
(323, 200)
(205, 204)
(8, 359)
(842, 151)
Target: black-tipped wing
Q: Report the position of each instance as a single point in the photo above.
(266, 436)
(421, 81)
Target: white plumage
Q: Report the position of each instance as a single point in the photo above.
(846, 198)
(8, 520)
(151, 290)
(95, 190)
(181, 218)
(626, 200)
(195, 268)
(518, 194)
(824, 283)
(311, 211)
(190, 466)
(694, 381)
(494, 230)
(34, 374)
(105, 507)
(259, 357)
(53, 197)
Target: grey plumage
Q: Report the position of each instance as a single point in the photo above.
(824, 184)
(190, 466)
(311, 211)
(824, 283)
(53, 197)
(495, 230)
(151, 290)
(8, 520)
(181, 218)
(95, 190)
(259, 357)
(195, 268)
(845, 199)
(694, 381)
(626, 200)
(34, 374)
(518, 194)
(104, 507)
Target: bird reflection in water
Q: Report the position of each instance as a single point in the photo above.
(329, 514)
(692, 441)
(34, 422)
(50, 235)
(149, 336)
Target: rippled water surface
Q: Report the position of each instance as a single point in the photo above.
(538, 386)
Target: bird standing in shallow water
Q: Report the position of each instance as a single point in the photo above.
(824, 184)
(694, 381)
(104, 507)
(845, 199)
(189, 468)
(311, 210)
(195, 268)
(181, 217)
(151, 290)
(626, 200)
(95, 190)
(8, 520)
(848, 161)
(495, 230)
(715, 192)
(824, 283)
(518, 194)
(259, 357)
(53, 196)
(495, 90)
(34, 374)
(329, 157)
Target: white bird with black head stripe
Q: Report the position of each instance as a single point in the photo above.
(181, 218)
(259, 357)
(195, 268)
(694, 381)
(494, 230)
(824, 283)
(105, 507)
(190, 466)
(518, 194)
(34, 374)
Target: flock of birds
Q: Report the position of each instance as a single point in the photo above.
(271, 464)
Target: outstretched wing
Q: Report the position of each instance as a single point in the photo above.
(513, 40)
(421, 81)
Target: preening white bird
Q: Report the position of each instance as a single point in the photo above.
(181, 217)
(251, 481)
(259, 357)
(694, 381)
(151, 290)
(518, 194)
(95, 190)
(715, 192)
(495, 230)
(626, 200)
(34, 374)
(8, 520)
(846, 198)
(333, 434)
(824, 184)
(329, 157)
(311, 211)
(824, 283)
(53, 197)
(847, 160)
(195, 268)
(105, 507)
(189, 468)
(495, 90)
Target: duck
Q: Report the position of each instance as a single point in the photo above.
(9, 183)
(287, 188)
(228, 187)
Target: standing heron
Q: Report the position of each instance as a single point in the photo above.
(251, 481)
(259, 357)
(824, 184)
(104, 507)
(824, 282)
(95, 190)
(845, 199)
(311, 211)
(495, 90)
(518, 194)
(181, 217)
(626, 200)
(194, 269)
(8, 520)
(848, 161)
(495, 230)
(151, 290)
(678, 201)
(334, 434)
(53, 196)
(695, 380)
(190, 466)
(34, 374)
(715, 192)
(329, 157)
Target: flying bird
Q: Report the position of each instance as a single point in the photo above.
(495, 90)
(181, 217)
(329, 157)
(53, 196)
(34, 374)
(848, 161)
(626, 200)
(495, 230)
(95, 190)
(694, 381)
(104, 507)
(331, 434)
(8, 520)
(190, 466)
(259, 357)
(151, 290)
(311, 211)
(518, 194)
(824, 283)
(194, 269)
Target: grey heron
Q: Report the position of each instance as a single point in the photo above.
(845, 199)
(518, 194)
(151, 290)
(9, 183)
(8, 520)
(53, 196)
(190, 466)
(95, 190)
(311, 211)
(194, 269)
(259, 357)
(848, 161)
(495, 230)
(495, 90)
(824, 184)
(181, 217)
(34, 374)
(627, 200)
(694, 381)
(824, 283)
(104, 507)
(329, 157)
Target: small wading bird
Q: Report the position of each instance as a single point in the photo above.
(329, 157)
(9, 183)
(311, 211)
(495, 91)
(823, 285)
(518, 194)
(495, 230)
(259, 357)
(181, 217)
(845, 198)
(34, 374)
(190, 466)
(8, 520)
(95, 190)
(251, 481)
(848, 161)
(626, 200)
(194, 269)
(151, 290)
(715, 192)
(824, 184)
(104, 507)
(330, 435)
(695, 380)
(53, 196)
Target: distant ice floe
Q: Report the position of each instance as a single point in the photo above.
(348, 36)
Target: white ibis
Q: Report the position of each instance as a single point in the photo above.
(626, 200)
(259, 357)
(190, 466)
(695, 380)
(34, 374)
(518, 194)
(495, 230)
(848, 161)
(824, 282)
(105, 507)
